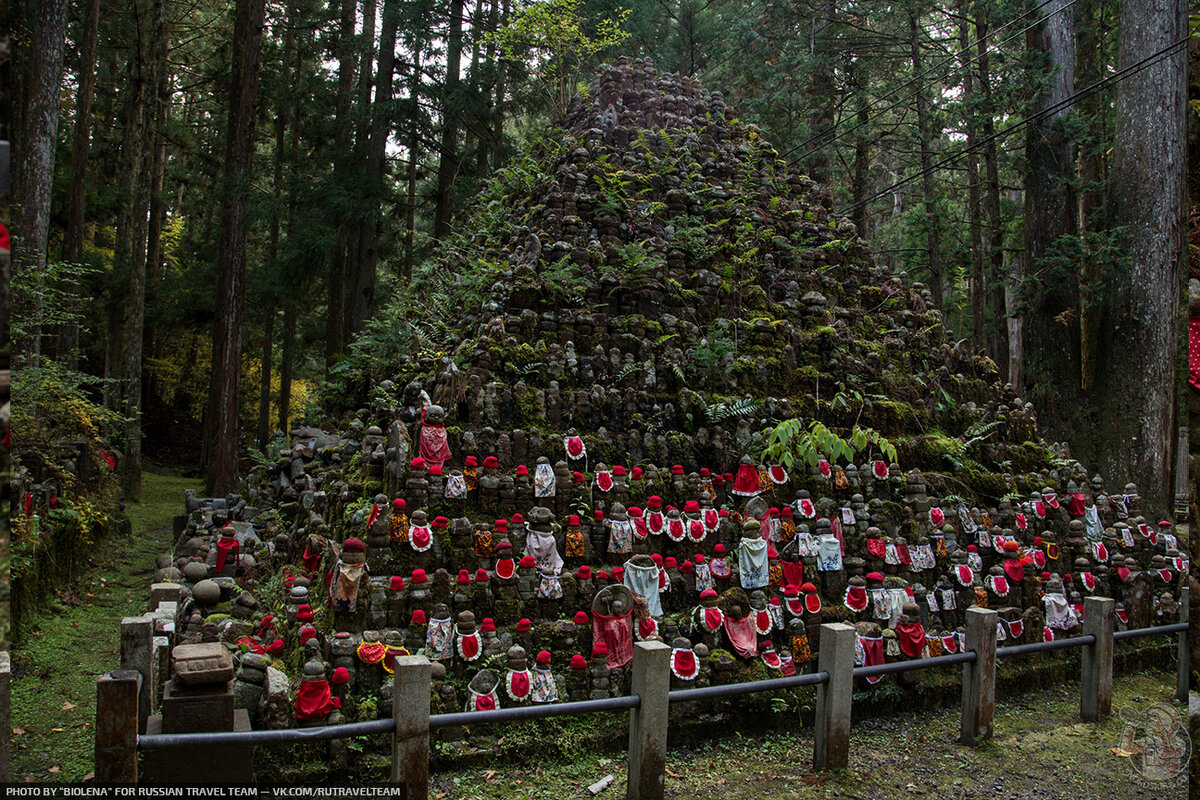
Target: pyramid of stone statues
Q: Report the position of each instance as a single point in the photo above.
(573, 455)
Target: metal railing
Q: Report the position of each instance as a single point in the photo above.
(835, 672)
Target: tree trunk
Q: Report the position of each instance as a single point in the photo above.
(1050, 290)
(488, 140)
(263, 433)
(363, 298)
(1091, 193)
(414, 155)
(158, 202)
(927, 136)
(335, 321)
(451, 113)
(861, 180)
(974, 213)
(498, 121)
(821, 120)
(1140, 316)
(285, 365)
(997, 278)
(77, 193)
(131, 464)
(35, 154)
(231, 256)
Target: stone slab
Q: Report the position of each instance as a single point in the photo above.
(197, 709)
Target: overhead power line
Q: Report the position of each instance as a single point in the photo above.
(1051, 109)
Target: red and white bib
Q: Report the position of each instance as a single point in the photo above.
(421, 538)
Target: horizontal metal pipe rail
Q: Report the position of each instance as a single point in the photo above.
(349, 730)
(1178, 627)
(746, 687)
(1038, 647)
(534, 712)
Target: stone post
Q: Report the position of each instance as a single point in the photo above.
(160, 667)
(1097, 679)
(410, 712)
(137, 652)
(1181, 685)
(648, 722)
(979, 677)
(117, 726)
(165, 593)
(831, 748)
(5, 718)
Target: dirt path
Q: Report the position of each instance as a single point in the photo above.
(1041, 752)
(64, 648)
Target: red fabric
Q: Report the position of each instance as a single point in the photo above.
(1194, 352)
(314, 700)
(518, 682)
(1039, 558)
(4, 244)
(746, 482)
(807, 508)
(374, 515)
(604, 481)
(574, 447)
(225, 546)
(1021, 523)
(762, 622)
(435, 449)
(1000, 585)
(505, 568)
(711, 518)
(654, 521)
(696, 530)
(771, 659)
(742, 636)
(1014, 569)
(936, 516)
(469, 645)
(617, 634)
(1016, 628)
(420, 536)
(683, 663)
(903, 554)
(881, 470)
(795, 605)
(1051, 499)
(826, 470)
(877, 547)
(112, 462)
(712, 618)
(812, 603)
(778, 474)
(28, 504)
(1040, 508)
(911, 636)
(1075, 506)
(1123, 573)
(675, 529)
(965, 576)
(873, 650)
(835, 526)
(793, 573)
(646, 627)
(485, 702)
(310, 560)
(856, 598)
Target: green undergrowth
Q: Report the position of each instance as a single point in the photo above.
(63, 648)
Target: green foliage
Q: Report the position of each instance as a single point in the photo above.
(791, 441)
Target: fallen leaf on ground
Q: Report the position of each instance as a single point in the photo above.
(68, 706)
(672, 774)
(490, 775)
(18, 731)
(55, 769)
(90, 776)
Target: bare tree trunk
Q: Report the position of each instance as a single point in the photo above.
(77, 193)
(1091, 194)
(35, 155)
(451, 113)
(363, 298)
(285, 365)
(263, 434)
(997, 277)
(498, 122)
(231, 257)
(821, 120)
(1140, 317)
(860, 181)
(1051, 287)
(158, 202)
(974, 213)
(338, 269)
(927, 135)
(414, 155)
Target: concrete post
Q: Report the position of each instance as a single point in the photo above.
(979, 677)
(1181, 683)
(651, 681)
(410, 712)
(165, 593)
(137, 652)
(831, 749)
(117, 726)
(1097, 678)
(160, 668)
(5, 718)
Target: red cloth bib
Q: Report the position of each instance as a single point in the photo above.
(712, 618)
(225, 547)
(873, 651)
(617, 634)
(684, 664)
(911, 636)
(742, 636)
(812, 603)
(654, 521)
(314, 700)
(793, 573)
(1014, 569)
(518, 684)
(434, 447)
(877, 547)
(856, 598)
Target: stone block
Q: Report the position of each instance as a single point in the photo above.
(165, 593)
(199, 664)
(196, 709)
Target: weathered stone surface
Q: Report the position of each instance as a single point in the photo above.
(201, 664)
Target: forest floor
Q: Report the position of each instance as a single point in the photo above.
(1041, 751)
(61, 650)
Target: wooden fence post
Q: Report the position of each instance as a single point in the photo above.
(410, 739)
(1096, 681)
(117, 726)
(1181, 682)
(979, 677)
(831, 748)
(5, 718)
(648, 722)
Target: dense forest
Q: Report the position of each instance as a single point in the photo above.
(226, 212)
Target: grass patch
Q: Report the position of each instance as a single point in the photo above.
(64, 648)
